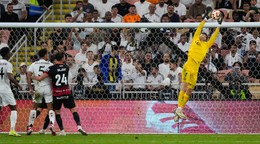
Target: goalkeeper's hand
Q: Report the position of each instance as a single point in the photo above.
(208, 12)
(221, 17)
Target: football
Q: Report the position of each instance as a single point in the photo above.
(215, 14)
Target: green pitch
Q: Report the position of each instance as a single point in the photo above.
(132, 139)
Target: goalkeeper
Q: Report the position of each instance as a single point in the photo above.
(198, 49)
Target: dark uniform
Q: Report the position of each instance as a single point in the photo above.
(60, 87)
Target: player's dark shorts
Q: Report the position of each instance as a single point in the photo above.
(67, 101)
(42, 105)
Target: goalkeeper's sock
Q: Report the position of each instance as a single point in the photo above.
(32, 117)
(52, 116)
(185, 99)
(38, 113)
(59, 122)
(180, 98)
(46, 122)
(76, 118)
(13, 119)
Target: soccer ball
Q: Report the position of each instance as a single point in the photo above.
(215, 14)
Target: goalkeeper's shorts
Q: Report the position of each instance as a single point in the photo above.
(189, 77)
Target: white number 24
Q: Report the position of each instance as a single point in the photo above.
(61, 79)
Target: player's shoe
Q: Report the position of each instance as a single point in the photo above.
(62, 133)
(29, 130)
(42, 131)
(52, 130)
(82, 131)
(13, 133)
(179, 114)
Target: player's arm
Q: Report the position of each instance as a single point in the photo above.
(29, 81)
(213, 37)
(199, 29)
(39, 78)
(11, 78)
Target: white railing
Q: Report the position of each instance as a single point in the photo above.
(16, 48)
(127, 25)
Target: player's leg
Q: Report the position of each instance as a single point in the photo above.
(32, 117)
(188, 83)
(57, 103)
(37, 99)
(60, 123)
(13, 120)
(70, 103)
(9, 100)
(49, 102)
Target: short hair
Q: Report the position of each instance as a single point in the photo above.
(114, 47)
(77, 2)
(59, 56)
(81, 69)
(132, 6)
(114, 7)
(95, 10)
(154, 65)
(67, 15)
(10, 4)
(205, 34)
(4, 51)
(252, 42)
(42, 52)
(83, 43)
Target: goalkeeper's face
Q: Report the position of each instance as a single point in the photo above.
(203, 37)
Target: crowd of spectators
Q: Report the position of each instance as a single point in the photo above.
(152, 55)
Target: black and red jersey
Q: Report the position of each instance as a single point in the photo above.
(59, 77)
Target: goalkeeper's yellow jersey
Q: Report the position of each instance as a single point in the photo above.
(198, 49)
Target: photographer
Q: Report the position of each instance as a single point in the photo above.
(236, 80)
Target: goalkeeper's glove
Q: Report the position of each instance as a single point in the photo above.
(221, 17)
(207, 13)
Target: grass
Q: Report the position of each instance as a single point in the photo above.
(133, 139)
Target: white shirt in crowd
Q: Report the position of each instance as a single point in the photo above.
(93, 48)
(90, 71)
(80, 17)
(19, 8)
(80, 58)
(155, 80)
(246, 39)
(184, 47)
(73, 71)
(230, 60)
(164, 69)
(174, 77)
(117, 19)
(181, 10)
(127, 70)
(176, 38)
(23, 81)
(103, 7)
(257, 42)
(155, 18)
(37, 68)
(161, 10)
(107, 47)
(142, 8)
(211, 67)
(139, 79)
(76, 42)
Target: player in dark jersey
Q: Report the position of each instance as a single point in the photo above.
(61, 92)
